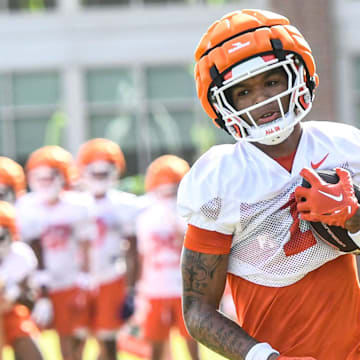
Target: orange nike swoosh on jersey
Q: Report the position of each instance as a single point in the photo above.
(317, 165)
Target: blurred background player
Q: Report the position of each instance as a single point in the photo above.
(160, 233)
(17, 264)
(12, 186)
(12, 180)
(59, 226)
(114, 252)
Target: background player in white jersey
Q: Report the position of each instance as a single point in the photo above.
(114, 252)
(255, 78)
(59, 226)
(17, 264)
(160, 232)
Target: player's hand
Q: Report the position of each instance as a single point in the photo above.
(43, 312)
(128, 306)
(282, 357)
(332, 204)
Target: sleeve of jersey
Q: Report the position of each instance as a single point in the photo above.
(202, 200)
(207, 242)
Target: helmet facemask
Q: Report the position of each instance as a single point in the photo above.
(47, 182)
(279, 129)
(99, 176)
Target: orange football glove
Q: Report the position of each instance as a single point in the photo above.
(331, 204)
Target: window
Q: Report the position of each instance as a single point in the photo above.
(149, 112)
(27, 5)
(28, 102)
(105, 3)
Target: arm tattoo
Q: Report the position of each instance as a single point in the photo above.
(198, 269)
(203, 285)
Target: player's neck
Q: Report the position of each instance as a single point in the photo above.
(285, 148)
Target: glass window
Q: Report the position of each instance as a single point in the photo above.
(28, 104)
(30, 135)
(119, 128)
(36, 88)
(110, 85)
(30, 5)
(104, 2)
(170, 82)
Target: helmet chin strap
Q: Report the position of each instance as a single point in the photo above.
(280, 135)
(279, 138)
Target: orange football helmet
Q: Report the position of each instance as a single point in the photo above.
(12, 174)
(101, 149)
(165, 170)
(54, 157)
(8, 218)
(243, 44)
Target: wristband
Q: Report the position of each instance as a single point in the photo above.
(355, 238)
(260, 351)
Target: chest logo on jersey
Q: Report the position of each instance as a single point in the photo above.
(318, 164)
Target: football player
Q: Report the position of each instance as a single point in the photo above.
(160, 233)
(12, 187)
(59, 226)
(114, 253)
(256, 77)
(17, 264)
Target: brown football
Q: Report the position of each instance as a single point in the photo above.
(335, 236)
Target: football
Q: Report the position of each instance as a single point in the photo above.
(335, 236)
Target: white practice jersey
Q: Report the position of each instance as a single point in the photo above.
(18, 264)
(60, 228)
(237, 189)
(160, 234)
(115, 215)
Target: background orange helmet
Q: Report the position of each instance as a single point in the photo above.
(165, 170)
(101, 149)
(237, 38)
(8, 218)
(55, 157)
(12, 174)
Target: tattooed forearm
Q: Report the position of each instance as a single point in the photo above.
(197, 269)
(203, 285)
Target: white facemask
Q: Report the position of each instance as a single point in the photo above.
(47, 183)
(99, 177)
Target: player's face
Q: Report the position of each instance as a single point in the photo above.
(47, 182)
(5, 242)
(7, 193)
(260, 88)
(98, 177)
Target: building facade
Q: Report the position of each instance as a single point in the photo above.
(71, 70)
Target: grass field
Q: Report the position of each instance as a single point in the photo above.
(50, 347)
